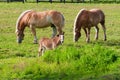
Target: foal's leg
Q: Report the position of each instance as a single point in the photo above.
(43, 50)
(104, 30)
(34, 34)
(54, 30)
(97, 32)
(88, 36)
(39, 51)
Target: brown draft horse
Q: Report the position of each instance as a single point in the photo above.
(50, 43)
(34, 19)
(87, 19)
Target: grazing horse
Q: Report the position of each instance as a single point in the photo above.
(34, 19)
(50, 43)
(87, 19)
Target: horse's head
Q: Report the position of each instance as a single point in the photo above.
(20, 36)
(77, 35)
(61, 38)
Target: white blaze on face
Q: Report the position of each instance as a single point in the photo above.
(61, 38)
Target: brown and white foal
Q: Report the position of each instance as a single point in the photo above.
(50, 43)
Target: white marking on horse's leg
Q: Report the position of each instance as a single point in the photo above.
(97, 32)
(39, 51)
(35, 39)
(88, 36)
(104, 30)
(34, 33)
(43, 50)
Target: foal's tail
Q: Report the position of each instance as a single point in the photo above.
(19, 19)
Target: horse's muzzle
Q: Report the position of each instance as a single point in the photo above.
(75, 40)
(19, 41)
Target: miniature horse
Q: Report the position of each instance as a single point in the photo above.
(87, 19)
(34, 19)
(52, 43)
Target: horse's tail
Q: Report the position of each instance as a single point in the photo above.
(19, 19)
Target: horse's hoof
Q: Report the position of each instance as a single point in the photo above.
(88, 41)
(105, 39)
(35, 43)
(96, 39)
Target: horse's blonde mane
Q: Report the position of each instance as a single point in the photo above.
(22, 14)
(77, 17)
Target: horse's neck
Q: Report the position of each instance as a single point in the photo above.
(77, 29)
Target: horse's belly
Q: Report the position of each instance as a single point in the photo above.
(42, 25)
(49, 46)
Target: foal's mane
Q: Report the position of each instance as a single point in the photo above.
(18, 20)
(79, 14)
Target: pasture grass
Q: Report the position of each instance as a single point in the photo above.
(97, 60)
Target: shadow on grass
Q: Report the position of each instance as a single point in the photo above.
(107, 43)
(115, 76)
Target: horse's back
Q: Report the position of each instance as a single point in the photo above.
(98, 13)
(44, 40)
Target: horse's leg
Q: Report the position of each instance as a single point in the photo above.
(88, 35)
(34, 34)
(104, 29)
(54, 30)
(43, 50)
(97, 32)
(40, 51)
(85, 32)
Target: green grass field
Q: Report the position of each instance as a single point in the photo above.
(97, 60)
